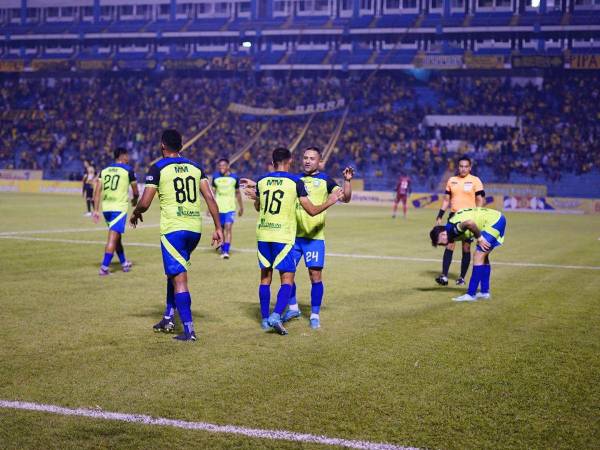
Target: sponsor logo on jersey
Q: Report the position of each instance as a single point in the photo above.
(182, 212)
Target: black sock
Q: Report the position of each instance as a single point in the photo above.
(89, 205)
(446, 262)
(464, 264)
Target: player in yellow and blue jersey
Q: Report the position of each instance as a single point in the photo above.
(227, 191)
(310, 236)
(112, 190)
(487, 226)
(276, 196)
(178, 182)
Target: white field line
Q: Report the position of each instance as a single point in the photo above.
(333, 254)
(276, 435)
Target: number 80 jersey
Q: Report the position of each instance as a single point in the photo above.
(278, 193)
(178, 183)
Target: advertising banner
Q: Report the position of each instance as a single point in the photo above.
(95, 64)
(539, 61)
(50, 64)
(136, 64)
(484, 61)
(504, 189)
(17, 174)
(416, 200)
(184, 64)
(589, 62)
(299, 110)
(552, 204)
(12, 66)
(438, 61)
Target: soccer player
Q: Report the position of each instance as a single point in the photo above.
(89, 180)
(178, 182)
(227, 190)
(310, 237)
(275, 199)
(462, 191)
(487, 226)
(403, 190)
(112, 186)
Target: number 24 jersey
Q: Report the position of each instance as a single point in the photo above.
(177, 181)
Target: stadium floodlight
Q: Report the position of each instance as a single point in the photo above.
(246, 44)
(535, 3)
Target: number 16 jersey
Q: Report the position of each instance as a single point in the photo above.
(278, 193)
(177, 181)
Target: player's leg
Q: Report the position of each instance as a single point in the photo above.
(395, 207)
(89, 199)
(167, 323)
(109, 250)
(404, 205)
(485, 279)
(227, 232)
(478, 275)
(293, 311)
(316, 295)
(286, 265)
(465, 262)
(446, 261)
(183, 304)
(125, 264)
(264, 295)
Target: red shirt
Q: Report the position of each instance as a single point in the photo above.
(403, 186)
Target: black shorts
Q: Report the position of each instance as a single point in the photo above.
(89, 192)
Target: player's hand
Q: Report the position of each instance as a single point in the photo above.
(134, 219)
(438, 221)
(335, 196)
(485, 245)
(250, 192)
(348, 173)
(217, 238)
(241, 212)
(247, 182)
(95, 216)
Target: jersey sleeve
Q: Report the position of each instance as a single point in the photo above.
(331, 185)
(153, 176)
(132, 178)
(300, 189)
(237, 181)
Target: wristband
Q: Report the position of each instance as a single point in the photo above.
(441, 213)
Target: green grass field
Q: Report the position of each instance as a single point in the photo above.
(395, 361)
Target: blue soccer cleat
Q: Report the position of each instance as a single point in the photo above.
(275, 322)
(265, 324)
(290, 314)
(186, 337)
(315, 323)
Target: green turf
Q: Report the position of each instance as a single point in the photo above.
(395, 360)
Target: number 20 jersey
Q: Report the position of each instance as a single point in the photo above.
(177, 181)
(278, 193)
(115, 180)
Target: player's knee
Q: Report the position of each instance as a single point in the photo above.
(315, 275)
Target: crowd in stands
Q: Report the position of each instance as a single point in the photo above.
(55, 124)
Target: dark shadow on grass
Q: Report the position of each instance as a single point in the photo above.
(452, 289)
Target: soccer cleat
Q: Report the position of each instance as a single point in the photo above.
(442, 280)
(315, 323)
(465, 298)
(165, 325)
(290, 314)
(126, 266)
(275, 322)
(483, 295)
(104, 271)
(265, 324)
(225, 255)
(87, 214)
(186, 337)
(460, 281)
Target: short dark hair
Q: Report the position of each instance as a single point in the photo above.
(171, 139)
(464, 158)
(120, 151)
(434, 234)
(281, 154)
(314, 149)
(220, 160)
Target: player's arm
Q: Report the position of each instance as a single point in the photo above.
(97, 193)
(472, 227)
(442, 211)
(83, 185)
(143, 205)
(238, 196)
(134, 188)
(479, 193)
(347, 189)
(310, 207)
(213, 209)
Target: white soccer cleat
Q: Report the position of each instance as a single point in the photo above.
(225, 255)
(483, 295)
(465, 298)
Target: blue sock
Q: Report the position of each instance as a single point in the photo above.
(292, 302)
(170, 308)
(283, 297)
(183, 300)
(485, 279)
(225, 247)
(264, 295)
(107, 259)
(121, 256)
(476, 277)
(316, 297)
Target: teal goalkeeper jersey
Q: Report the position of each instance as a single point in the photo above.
(177, 181)
(115, 180)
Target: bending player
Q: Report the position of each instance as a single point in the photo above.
(275, 197)
(113, 188)
(178, 182)
(310, 237)
(227, 190)
(485, 225)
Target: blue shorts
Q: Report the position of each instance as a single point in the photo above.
(313, 251)
(116, 220)
(177, 247)
(228, 217)
(276, 255)
(495, 236)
